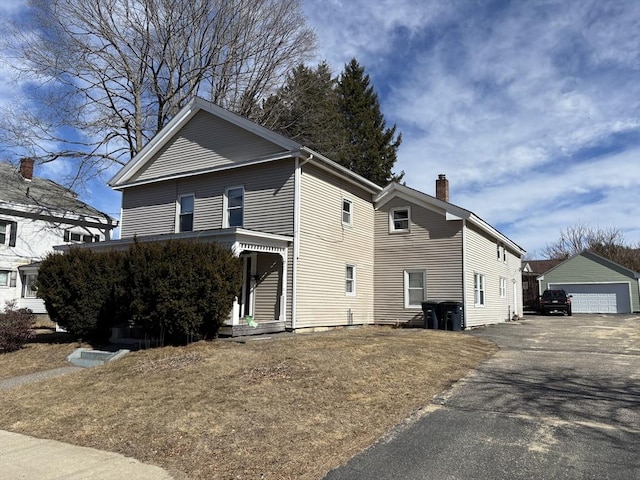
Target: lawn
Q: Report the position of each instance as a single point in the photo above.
(290, 407)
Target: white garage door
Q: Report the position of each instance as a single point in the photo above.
(598, 297)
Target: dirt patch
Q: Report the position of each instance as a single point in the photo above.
(290, 407)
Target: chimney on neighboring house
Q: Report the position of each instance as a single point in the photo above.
(442, 188)
(26, 168)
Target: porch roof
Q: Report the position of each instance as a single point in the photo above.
(236, 238)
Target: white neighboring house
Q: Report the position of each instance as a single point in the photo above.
(36, 214)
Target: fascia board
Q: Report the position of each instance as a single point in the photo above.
(204, 171)
(184, 115)
(50, 214)
(156, 143)
(329, 165)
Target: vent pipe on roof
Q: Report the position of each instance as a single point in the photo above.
(26, 168)
(442, 188)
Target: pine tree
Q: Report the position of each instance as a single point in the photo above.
(305, 110)
(371, 148)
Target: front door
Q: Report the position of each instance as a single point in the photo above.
(248, 286)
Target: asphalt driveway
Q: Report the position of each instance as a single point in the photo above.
(560, 400)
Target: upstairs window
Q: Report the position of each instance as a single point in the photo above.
(234, 207)
(399, 219)
(185, 216)
(78, 237)
(8, 232)
(347, 209)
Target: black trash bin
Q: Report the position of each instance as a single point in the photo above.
(451, 315)
(429, 309)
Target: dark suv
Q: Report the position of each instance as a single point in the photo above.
(555, 301)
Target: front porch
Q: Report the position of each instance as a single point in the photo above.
(262, 304)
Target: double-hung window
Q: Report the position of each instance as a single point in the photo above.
(4, 278)
(350, 280)
(478, 289)
(347, 211)
(186, 204)
(415, 283)
(4, 230)
(234, 207)
(503, 287)
(399, 219)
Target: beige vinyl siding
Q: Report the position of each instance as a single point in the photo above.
(327, 246)
(481, 258)
(148, 210)
(268, 288)
(433, 244)
(268, 200)
(206, 141)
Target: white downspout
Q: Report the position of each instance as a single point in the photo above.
(296, 236)
(464, 273)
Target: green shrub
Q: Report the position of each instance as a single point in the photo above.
(16, 327)
(176, 291)
(181, 291)
(81, 291)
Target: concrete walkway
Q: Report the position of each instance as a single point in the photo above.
(28, 458)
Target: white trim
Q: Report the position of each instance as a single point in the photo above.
(297, 178)
(225, 207)
(392, 229)
(502, 287)
(482, 284)
(350, 212)
(406, 287)
(179, 212)
(353, 280)
(465, 303)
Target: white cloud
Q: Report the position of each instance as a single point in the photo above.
(524, 107)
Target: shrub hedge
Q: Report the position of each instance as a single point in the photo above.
(175, 291)
(15, 327)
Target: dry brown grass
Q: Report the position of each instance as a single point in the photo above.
(292, 407)
(48, 350)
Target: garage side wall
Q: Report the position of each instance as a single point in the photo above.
(587, 271)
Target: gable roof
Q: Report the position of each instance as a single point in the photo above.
(44, 197)
(290, 149)
(541, 266)
(598, 259)
(452, 212)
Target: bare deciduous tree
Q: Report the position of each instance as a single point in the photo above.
(105, 76)
(606, 242)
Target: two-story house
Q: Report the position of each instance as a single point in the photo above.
(35, 215)
(321, 245)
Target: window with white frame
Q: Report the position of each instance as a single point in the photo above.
(350, 280)
(347, 211)
(415, 282)
(186, 204)
(4, 232)
(79, 237)
(503, 287)
(478, 289)
(4, 278)
(399, 219)
(234, 207)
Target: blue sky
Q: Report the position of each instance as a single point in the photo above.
(531, 108)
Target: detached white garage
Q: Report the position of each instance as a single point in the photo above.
(598, 297)
(596, 284)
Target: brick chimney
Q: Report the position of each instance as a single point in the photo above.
(442, 188)
(26, 168)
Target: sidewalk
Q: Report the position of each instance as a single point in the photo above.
(28, 458)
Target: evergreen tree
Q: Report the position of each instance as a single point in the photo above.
(305, 110)
(371, 148)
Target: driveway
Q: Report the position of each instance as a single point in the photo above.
(560, 400)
